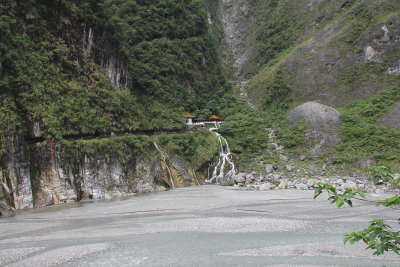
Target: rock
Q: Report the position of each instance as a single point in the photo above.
(289, 167)
(350, 184)
(269, 168)
(273, 146)
(159, 188)
(5, 210)
(371, 54)
(239, 178)
(302, 157)
(276, 176)
(144, 188)
(265, 187)
(395, 69)
(303, 187)
(339, 181)
(380, 191)
(250, 177)
(361, 187)
(282, 185)
(284, 158)
(310, 182)
(6, 190)
(255, 186)
(321, 121)
(391, 119)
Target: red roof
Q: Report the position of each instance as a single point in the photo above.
(214, 117)
(187, 115)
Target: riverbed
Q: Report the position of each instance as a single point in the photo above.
(205, 225)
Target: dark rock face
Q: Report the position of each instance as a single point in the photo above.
(392, 118)
(322, 124)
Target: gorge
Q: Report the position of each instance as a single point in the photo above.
(124, 72)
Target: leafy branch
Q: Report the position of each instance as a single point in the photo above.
(378, 236)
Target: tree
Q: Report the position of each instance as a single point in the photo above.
(378, 236)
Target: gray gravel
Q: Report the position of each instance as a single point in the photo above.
(201, 225)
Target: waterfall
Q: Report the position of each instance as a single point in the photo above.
(165, 162)
(224, 157)
(195, 177)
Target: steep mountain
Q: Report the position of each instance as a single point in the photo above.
(344, 54)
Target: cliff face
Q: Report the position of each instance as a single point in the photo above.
(86, 69)
(34, 176)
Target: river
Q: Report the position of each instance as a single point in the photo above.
(203, 225)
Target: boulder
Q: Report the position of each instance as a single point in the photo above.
(239, 178)
(322, 122)
(282, 185)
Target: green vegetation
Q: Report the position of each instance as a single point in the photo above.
(245, 129)
(194, 147)
(378, 236)
(48, 74)
(294, 37)
(122, 147)
(360, 135)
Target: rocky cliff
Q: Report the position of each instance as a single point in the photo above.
(42, 174)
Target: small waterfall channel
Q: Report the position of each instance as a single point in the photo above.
(166, 165)
(225, 157)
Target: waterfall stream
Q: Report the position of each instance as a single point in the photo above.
(225, 157)
(195, 177)
(166, 165)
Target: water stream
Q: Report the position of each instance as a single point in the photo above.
(225, 157)
(195, 177)
(166, 165)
